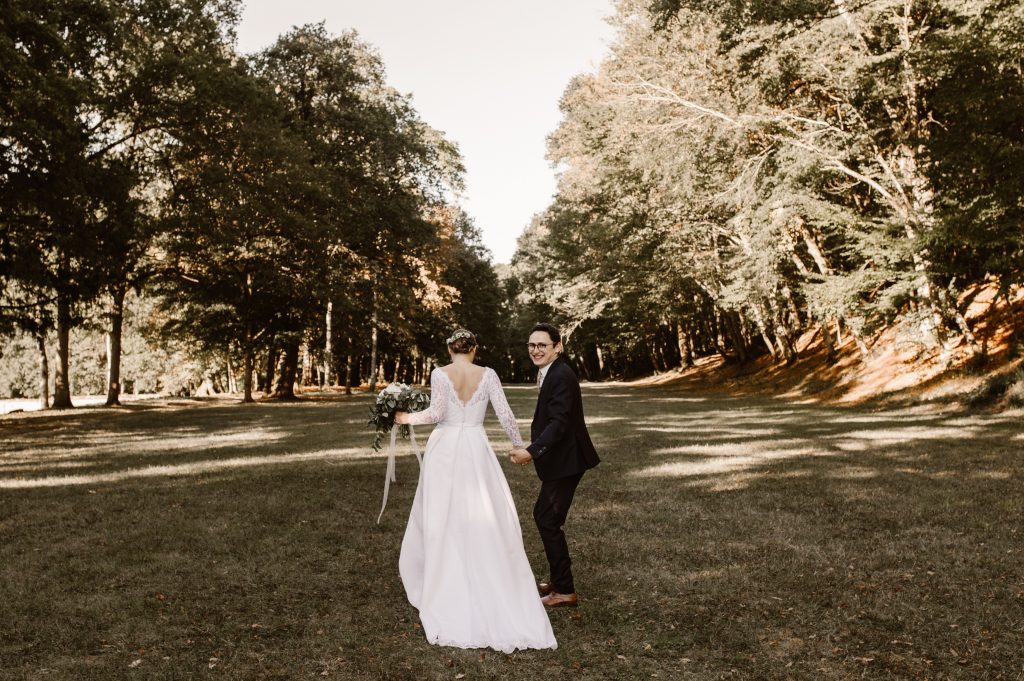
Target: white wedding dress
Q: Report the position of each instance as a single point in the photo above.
(462, 562)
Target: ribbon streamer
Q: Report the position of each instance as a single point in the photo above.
(389, 475)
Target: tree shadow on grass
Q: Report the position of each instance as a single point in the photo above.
(720, 537)
(179, 441)
(826, 542)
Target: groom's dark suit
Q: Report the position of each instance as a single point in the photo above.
(562, 452)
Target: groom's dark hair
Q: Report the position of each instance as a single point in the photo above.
(550, 329)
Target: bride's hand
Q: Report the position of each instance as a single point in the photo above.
(401, 418)
(520, 456)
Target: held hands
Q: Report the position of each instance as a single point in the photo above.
(402, 418)
(520, 456)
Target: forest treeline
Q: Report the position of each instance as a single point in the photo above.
(736, 174)
(253, 219)
(733, 176)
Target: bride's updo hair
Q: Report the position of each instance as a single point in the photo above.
(461, 342)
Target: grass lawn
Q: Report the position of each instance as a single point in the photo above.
(721, 538)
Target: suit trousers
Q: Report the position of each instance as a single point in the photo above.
(550, 513)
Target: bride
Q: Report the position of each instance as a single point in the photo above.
(462, 562)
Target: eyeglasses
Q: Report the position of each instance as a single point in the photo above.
(538, 346)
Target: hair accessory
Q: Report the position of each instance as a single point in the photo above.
(461, 333)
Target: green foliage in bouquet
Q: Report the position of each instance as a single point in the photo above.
(395, 397)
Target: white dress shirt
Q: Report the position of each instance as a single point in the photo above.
(541, 373)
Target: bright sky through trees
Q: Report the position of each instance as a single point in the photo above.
(488, 74)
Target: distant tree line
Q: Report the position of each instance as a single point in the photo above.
(736, 174)
(262, 219)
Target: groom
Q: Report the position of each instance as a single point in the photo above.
(561, 452)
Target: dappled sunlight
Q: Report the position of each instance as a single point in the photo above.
(662, 400)
(191, 468)
(724, 511)
(729, 449)
(106, 446)
(893, 435)
(703, 433)
(733, 449)
(665, 429)
(793, 474)
(853, 473)
(732, 483)
(594, 420)
(852, 446)
(992, 475)
(632, 397)
(706, 434)
(720, 464)
(25, 466)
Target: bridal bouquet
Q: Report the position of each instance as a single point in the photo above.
(395, 397)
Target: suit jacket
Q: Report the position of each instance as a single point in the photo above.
(560, 444)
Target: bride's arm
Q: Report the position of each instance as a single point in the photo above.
(438, 403)
(503, 411)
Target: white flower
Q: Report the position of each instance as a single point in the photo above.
(394, 389)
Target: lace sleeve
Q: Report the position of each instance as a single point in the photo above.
(438, 402)
(502, 410)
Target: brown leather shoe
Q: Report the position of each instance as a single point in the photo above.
(545, 588)
(557, 600)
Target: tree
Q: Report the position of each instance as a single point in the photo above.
(87, 84)
(242, 187)
(737, 173)
(382, 171)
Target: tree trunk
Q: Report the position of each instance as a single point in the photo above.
(232, 383)
(114, 346)
(787, 348)
(794, 311)
(783, 337)
(685, 350)
(763, 328)
(348, 371)
(811, 241)
(654, 358)
(307, 365)
(329, 346)
(61, 382)
(247, 369)
(826, 337)
(861, 345)
(717, 325)
(287, 369)
(44, 369)
(735, 333)
(745, 330)
(373, 345)
(268, 385)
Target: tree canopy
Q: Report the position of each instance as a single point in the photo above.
(735, 174)
(279, 204)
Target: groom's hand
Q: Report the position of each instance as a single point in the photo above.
(520, 456)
